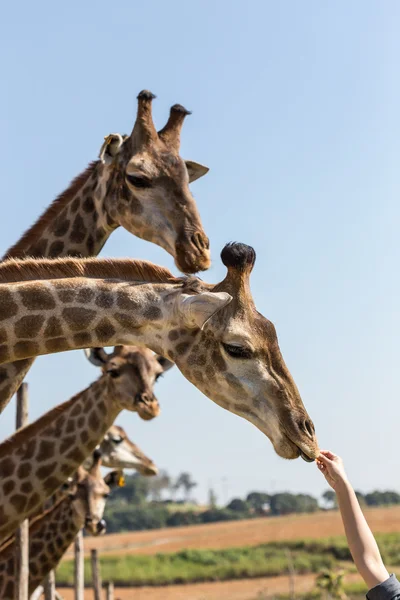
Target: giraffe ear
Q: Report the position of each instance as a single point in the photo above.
(111, 146)
(195, 170)
(97, 356)
(164, 362)
(198, 309)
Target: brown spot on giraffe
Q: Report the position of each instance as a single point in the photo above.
(43, 473)
(29, 326)
(46, 450)
(56, 344)
(53, 327)
(8, 307)
(25, 348)
(77, 317)
(24, 469)
(39, 299)
(56, 248)
(67, 296)
(85, 295)
(153, 313)
(104, 331)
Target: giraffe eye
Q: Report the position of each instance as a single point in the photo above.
(138, 182)
(117, 440)
(114, 373)
(237, 351)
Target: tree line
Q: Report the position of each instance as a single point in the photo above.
(163, 501)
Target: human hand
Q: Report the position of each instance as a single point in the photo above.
(331, 466)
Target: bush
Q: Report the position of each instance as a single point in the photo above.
(136, 519)
(179, 518)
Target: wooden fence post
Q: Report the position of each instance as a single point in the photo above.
(22, 533)
(96, 577)
(50, 587)
(110, 591)
(79, 567)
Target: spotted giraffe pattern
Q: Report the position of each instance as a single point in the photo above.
(214, 334)
(51, 534)
(37, 459)
(103, 198)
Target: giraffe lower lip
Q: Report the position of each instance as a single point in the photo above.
(305, 457)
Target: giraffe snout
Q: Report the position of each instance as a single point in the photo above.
(192, 252)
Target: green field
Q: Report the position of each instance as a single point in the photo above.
(190, 566)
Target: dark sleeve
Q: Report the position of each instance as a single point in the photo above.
(388, 590)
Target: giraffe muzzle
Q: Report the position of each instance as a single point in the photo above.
(192, 252)
(147, 406)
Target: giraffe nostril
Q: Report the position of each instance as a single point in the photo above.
(145, 398)
(200, 241)
(308, 427)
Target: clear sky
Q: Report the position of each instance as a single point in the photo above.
(296, 112)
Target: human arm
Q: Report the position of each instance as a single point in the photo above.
(362, 544)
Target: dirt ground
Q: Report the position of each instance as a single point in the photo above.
(242, 589)
(237, 533)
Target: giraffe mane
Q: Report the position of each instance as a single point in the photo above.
(125, 269)
(50, 213)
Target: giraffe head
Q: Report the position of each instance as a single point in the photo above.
(148, 190)
(119, 452)
(231, 353)
(89, 494)
(132, 373)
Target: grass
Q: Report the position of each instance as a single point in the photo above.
(191, 566)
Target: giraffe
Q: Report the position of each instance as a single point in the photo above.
(52, 532)
(140, 183)
(119, 452)
(37, 459)
(213, 332)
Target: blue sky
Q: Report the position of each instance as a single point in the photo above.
(296, 112)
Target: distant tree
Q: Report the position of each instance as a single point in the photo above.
(286, 503)
(158, 484)
(360, 498)
(330, 498)
(283, 504)
(212, 498)
(186, 482)
(258, 500)
(135, 491)
(239, 505)
(377, 498)
(306, 503)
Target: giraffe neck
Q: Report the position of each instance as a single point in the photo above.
(43, 317)
(75, 224)
(50, 536)
(37, 459)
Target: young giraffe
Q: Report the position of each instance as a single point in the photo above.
(51, 533)
(36, 460)
(140, 183)
(117, 452)
(214, 333)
